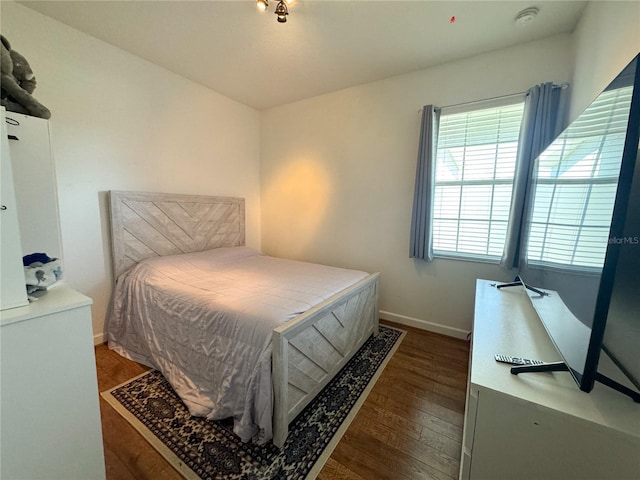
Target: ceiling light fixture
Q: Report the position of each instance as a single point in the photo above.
(281, 9)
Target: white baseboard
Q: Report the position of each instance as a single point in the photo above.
(424, 325)
(99, 338)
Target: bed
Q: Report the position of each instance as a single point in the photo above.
(237, 333)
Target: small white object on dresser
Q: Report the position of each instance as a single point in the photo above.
(50, 417)
(539, 425)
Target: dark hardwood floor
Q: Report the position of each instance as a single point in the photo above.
(410, 426)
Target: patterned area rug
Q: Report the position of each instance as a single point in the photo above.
(202, 449)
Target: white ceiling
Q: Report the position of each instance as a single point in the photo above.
(245, 54)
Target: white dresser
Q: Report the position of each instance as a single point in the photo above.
(539, 425)
(49, 409)
(50, 417)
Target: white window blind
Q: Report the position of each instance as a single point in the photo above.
(475, 164)
(575, 184)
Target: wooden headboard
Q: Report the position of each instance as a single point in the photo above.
(145, 225)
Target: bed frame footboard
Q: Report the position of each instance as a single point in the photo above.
(310, 349)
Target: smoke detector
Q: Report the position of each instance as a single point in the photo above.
(526, 16)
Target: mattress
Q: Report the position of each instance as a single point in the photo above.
(205, 321)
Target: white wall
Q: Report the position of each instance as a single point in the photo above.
(338, 177)
(121, 123)
(337, 170)
(606, 40)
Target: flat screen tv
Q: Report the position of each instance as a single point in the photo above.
(582, 257)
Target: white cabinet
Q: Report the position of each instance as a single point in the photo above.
(539, 425)
(12, 283)
(35, 184)
(29, 221)
(50, 419)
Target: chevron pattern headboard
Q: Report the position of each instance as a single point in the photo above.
(147, 225)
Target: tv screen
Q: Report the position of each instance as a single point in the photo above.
(583, 247)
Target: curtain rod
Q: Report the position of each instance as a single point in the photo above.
(475, 102)
(500, 97)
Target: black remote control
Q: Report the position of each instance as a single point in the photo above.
(516, 360)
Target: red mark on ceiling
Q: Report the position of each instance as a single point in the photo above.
(452, 19)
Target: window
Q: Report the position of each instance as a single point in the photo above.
(575, 186)
(474, 169)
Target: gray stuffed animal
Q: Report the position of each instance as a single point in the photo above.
(17, 83)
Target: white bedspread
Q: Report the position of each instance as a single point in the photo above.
(205, 321)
